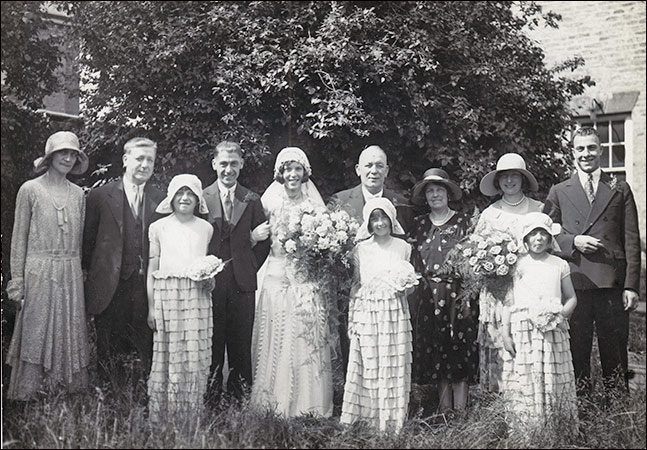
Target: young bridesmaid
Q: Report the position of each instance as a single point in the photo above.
(378, 381)
(538, 376)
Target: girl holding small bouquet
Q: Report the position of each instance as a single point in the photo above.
(179, 284)
(378, 381)
(538, 376)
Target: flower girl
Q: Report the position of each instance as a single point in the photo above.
(378, 381)
(538, 372)
(179, 284)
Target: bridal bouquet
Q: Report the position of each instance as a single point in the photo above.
(485, 259)
(399, 277)
(206, 267)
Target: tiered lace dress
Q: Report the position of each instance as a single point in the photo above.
(290, 352)
(183, 317)
(378, 380)
(49, 346)
(489, 334)
(540, 379)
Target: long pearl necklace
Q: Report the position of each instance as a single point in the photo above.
(513, 204)
(61, 211)
(445, 218)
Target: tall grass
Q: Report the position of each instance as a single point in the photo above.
(113, 415)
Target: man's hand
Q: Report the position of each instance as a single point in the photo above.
(261, 232)
(587, 244)
(630, 299)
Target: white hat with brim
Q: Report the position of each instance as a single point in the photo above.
(62, 140)
(177, 183)
(385, 205)
(535, 220)
(509, 161)
(434, 175)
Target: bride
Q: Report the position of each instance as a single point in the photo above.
(290, 356)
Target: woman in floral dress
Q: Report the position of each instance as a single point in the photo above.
(445, 351)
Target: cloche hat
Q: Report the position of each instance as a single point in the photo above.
(434, 175)
(177, 183)
(63, 140)
(385, 205)
(509, 161)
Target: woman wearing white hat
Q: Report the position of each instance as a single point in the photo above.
(444, 326)
(510, 180)
(49, 346)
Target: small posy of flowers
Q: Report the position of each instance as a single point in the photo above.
(486, 259)
(399, 277)
(613, 183)
(206, 267)
(546, 316)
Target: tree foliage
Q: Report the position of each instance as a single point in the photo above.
(451, 84)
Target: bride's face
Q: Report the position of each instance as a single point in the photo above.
(293, 176)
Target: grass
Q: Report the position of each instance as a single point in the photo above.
(113, 415)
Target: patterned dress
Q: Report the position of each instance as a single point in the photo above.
(378, 380)
(183, 317)
(290, 349)
(49, 346)
(540, 379)
(444, 324)
(490, 308)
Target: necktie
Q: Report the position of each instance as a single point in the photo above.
(590, 193)
(228, 206)
(137, 201)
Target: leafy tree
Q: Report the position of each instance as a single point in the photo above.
(454, 84)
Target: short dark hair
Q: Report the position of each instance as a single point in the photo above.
(370, 216)
(227, 146)
(279, 173)
(525, 184)
(585, 131)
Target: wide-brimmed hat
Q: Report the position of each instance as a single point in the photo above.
(385, 205)
(62, 140)
(434, 175)
(509, 161)
(177, 183)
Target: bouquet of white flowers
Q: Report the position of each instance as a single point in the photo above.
(206, 267)
(546, 316)
(399, 277)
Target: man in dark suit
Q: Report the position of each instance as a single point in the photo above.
(241, 234)
(372, 169)
(601, 242)
(115, 257)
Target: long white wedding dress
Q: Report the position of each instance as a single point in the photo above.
(290, 352)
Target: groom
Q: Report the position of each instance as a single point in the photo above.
(241, 234)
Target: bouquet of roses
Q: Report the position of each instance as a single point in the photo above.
(399, 277)
(318, 241)
(206, 267)
(546, 316)
(485, 259)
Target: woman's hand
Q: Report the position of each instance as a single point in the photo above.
(508, 344)
(209, 284)
(151, 320)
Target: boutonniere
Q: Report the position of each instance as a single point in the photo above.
(613, 183)
(250, 197)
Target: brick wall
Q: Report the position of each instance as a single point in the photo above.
(610, 36)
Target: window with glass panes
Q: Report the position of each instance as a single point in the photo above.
(612, 141)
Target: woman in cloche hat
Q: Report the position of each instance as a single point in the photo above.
(444, 327)
(510, 180)
(49, 346)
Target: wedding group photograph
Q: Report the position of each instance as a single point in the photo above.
(323, 224)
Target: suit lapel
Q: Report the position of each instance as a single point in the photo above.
(602, 198)
(577, 196)
(212, 197)
(239, 205)
(357, 200)
(149, 205)
(116, 203)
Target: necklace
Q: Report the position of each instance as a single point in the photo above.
(443, 220)
(61, 211)
(513, 204)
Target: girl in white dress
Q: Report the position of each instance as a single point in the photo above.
(179, 308)
(290, 348)
(538, 376)
(378, 381)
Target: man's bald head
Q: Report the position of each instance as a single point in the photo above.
(372, 168)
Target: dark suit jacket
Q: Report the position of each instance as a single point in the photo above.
(103, 240)
(613, 219)
(247, 214)
(352, 201)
